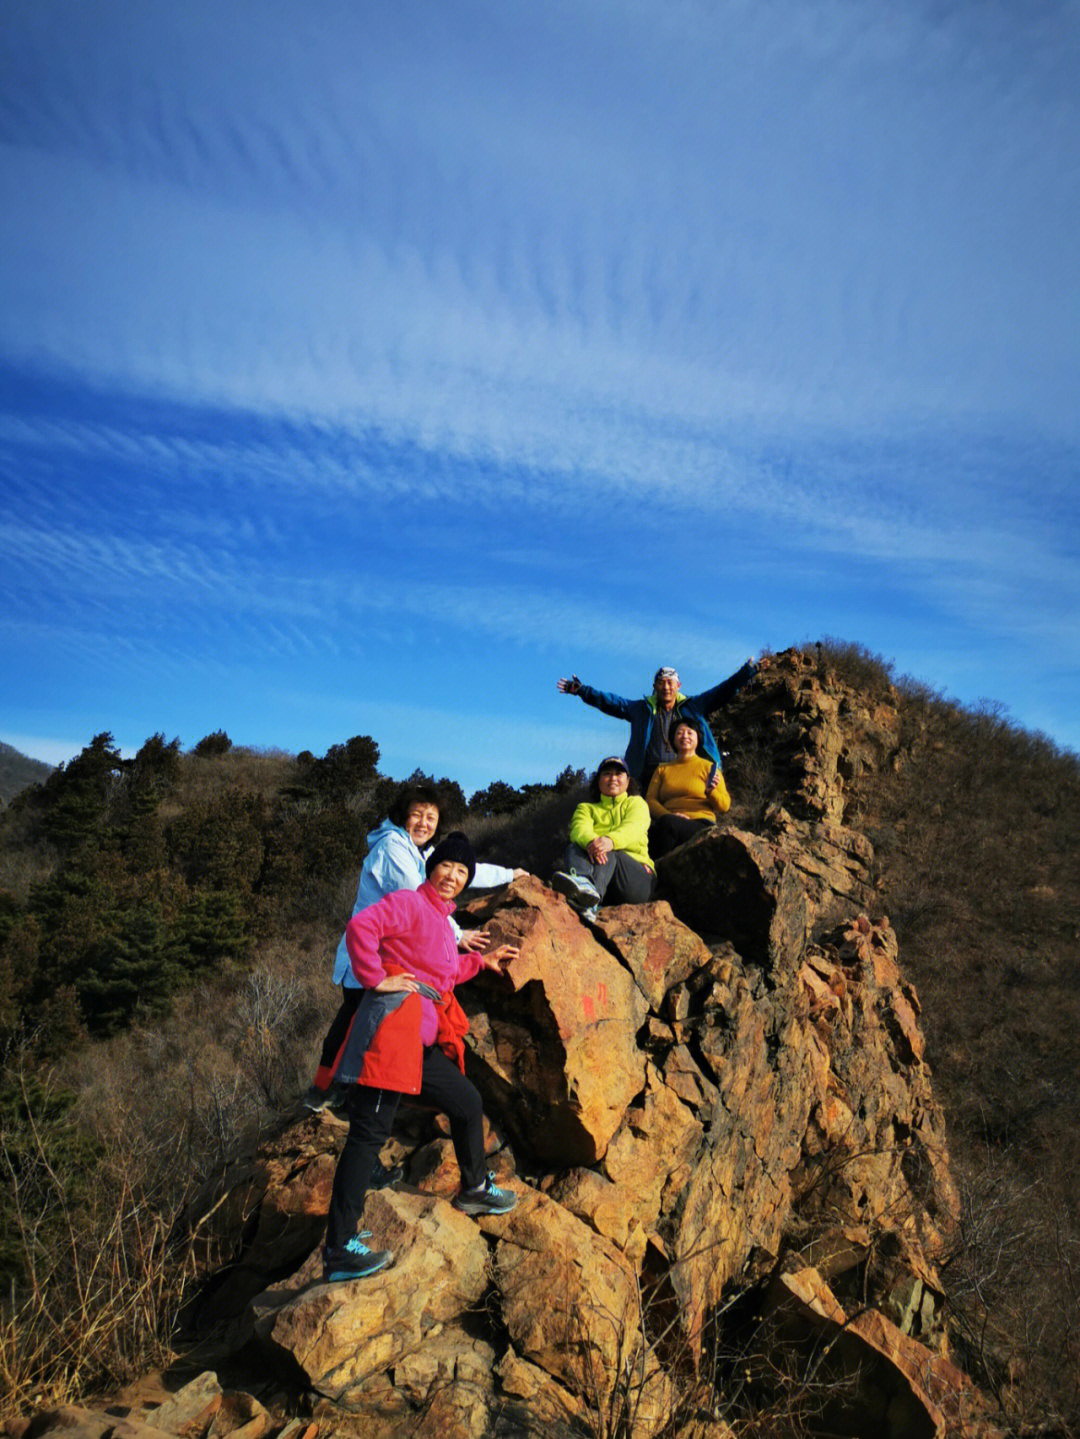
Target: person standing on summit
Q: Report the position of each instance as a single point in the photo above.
(653, 717)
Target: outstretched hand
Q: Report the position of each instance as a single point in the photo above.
(569, 686)
(496, 958)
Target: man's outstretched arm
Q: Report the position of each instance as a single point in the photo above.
(610, 704)
(719, 695)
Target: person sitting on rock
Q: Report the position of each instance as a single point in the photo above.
(685, 796)
(653, 717)
(398, 849)
(406, 1037)
(607, 860)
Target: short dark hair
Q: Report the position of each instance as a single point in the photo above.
(594, 786)
(690, 724)
(410, 794)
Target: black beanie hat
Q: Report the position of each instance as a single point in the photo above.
(454, 847)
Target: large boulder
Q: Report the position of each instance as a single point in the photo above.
(341, 1334)
(872, 1377)
(554, 1043)
(736, 886)
(677, 1146)
(572, 1307)
(658, 949)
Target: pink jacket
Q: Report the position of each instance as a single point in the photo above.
(410, 931)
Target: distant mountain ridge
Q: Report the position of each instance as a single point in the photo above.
(19, 770)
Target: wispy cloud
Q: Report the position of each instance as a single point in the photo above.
(700, 324)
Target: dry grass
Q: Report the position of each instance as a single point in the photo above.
(1013, 1282)
(102, 1276)
(106, 1272)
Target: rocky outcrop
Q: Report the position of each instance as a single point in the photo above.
(750, 1115)
(200, 1409)
(716, 1112)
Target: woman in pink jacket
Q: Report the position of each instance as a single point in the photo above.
(406, 1038)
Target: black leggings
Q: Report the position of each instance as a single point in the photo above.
(671, 830)
(371, 1117)
(339, 1026)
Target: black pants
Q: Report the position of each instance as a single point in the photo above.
(339, 1026)
(371, 1117)
(622, 880)
(671, 830)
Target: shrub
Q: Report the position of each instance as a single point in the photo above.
(211, 746)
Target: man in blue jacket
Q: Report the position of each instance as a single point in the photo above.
(653, 717)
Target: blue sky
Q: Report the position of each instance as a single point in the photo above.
(366, 366)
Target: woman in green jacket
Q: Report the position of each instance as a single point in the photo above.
(607, 860)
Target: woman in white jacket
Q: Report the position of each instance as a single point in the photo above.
(398, 849)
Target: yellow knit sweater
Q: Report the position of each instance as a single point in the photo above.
(682, 788)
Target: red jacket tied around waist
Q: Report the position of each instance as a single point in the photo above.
(409, 932)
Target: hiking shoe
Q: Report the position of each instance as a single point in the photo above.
(383, 1178)
(353, 1261)
(580, 893)
(485, 1198)
(315, 1099)
(590, 915)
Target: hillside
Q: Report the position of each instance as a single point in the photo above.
(165, 924)
(17, 771)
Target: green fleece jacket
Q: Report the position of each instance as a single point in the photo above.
(625, 821)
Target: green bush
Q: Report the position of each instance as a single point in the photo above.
(212, 745)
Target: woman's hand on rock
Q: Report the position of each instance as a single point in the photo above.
(496, 958)
(473, 940)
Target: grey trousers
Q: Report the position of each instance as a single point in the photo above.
(623, 880)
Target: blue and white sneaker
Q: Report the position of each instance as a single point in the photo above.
(590, 915)
(353, 1261)
(486, 1198)
(580, 893)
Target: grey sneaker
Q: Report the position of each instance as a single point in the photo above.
(315, 1099)
(353, 1261)
(486, 1198)
(580, 893)
(336, 1098)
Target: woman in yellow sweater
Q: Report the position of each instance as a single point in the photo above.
(686, 795)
